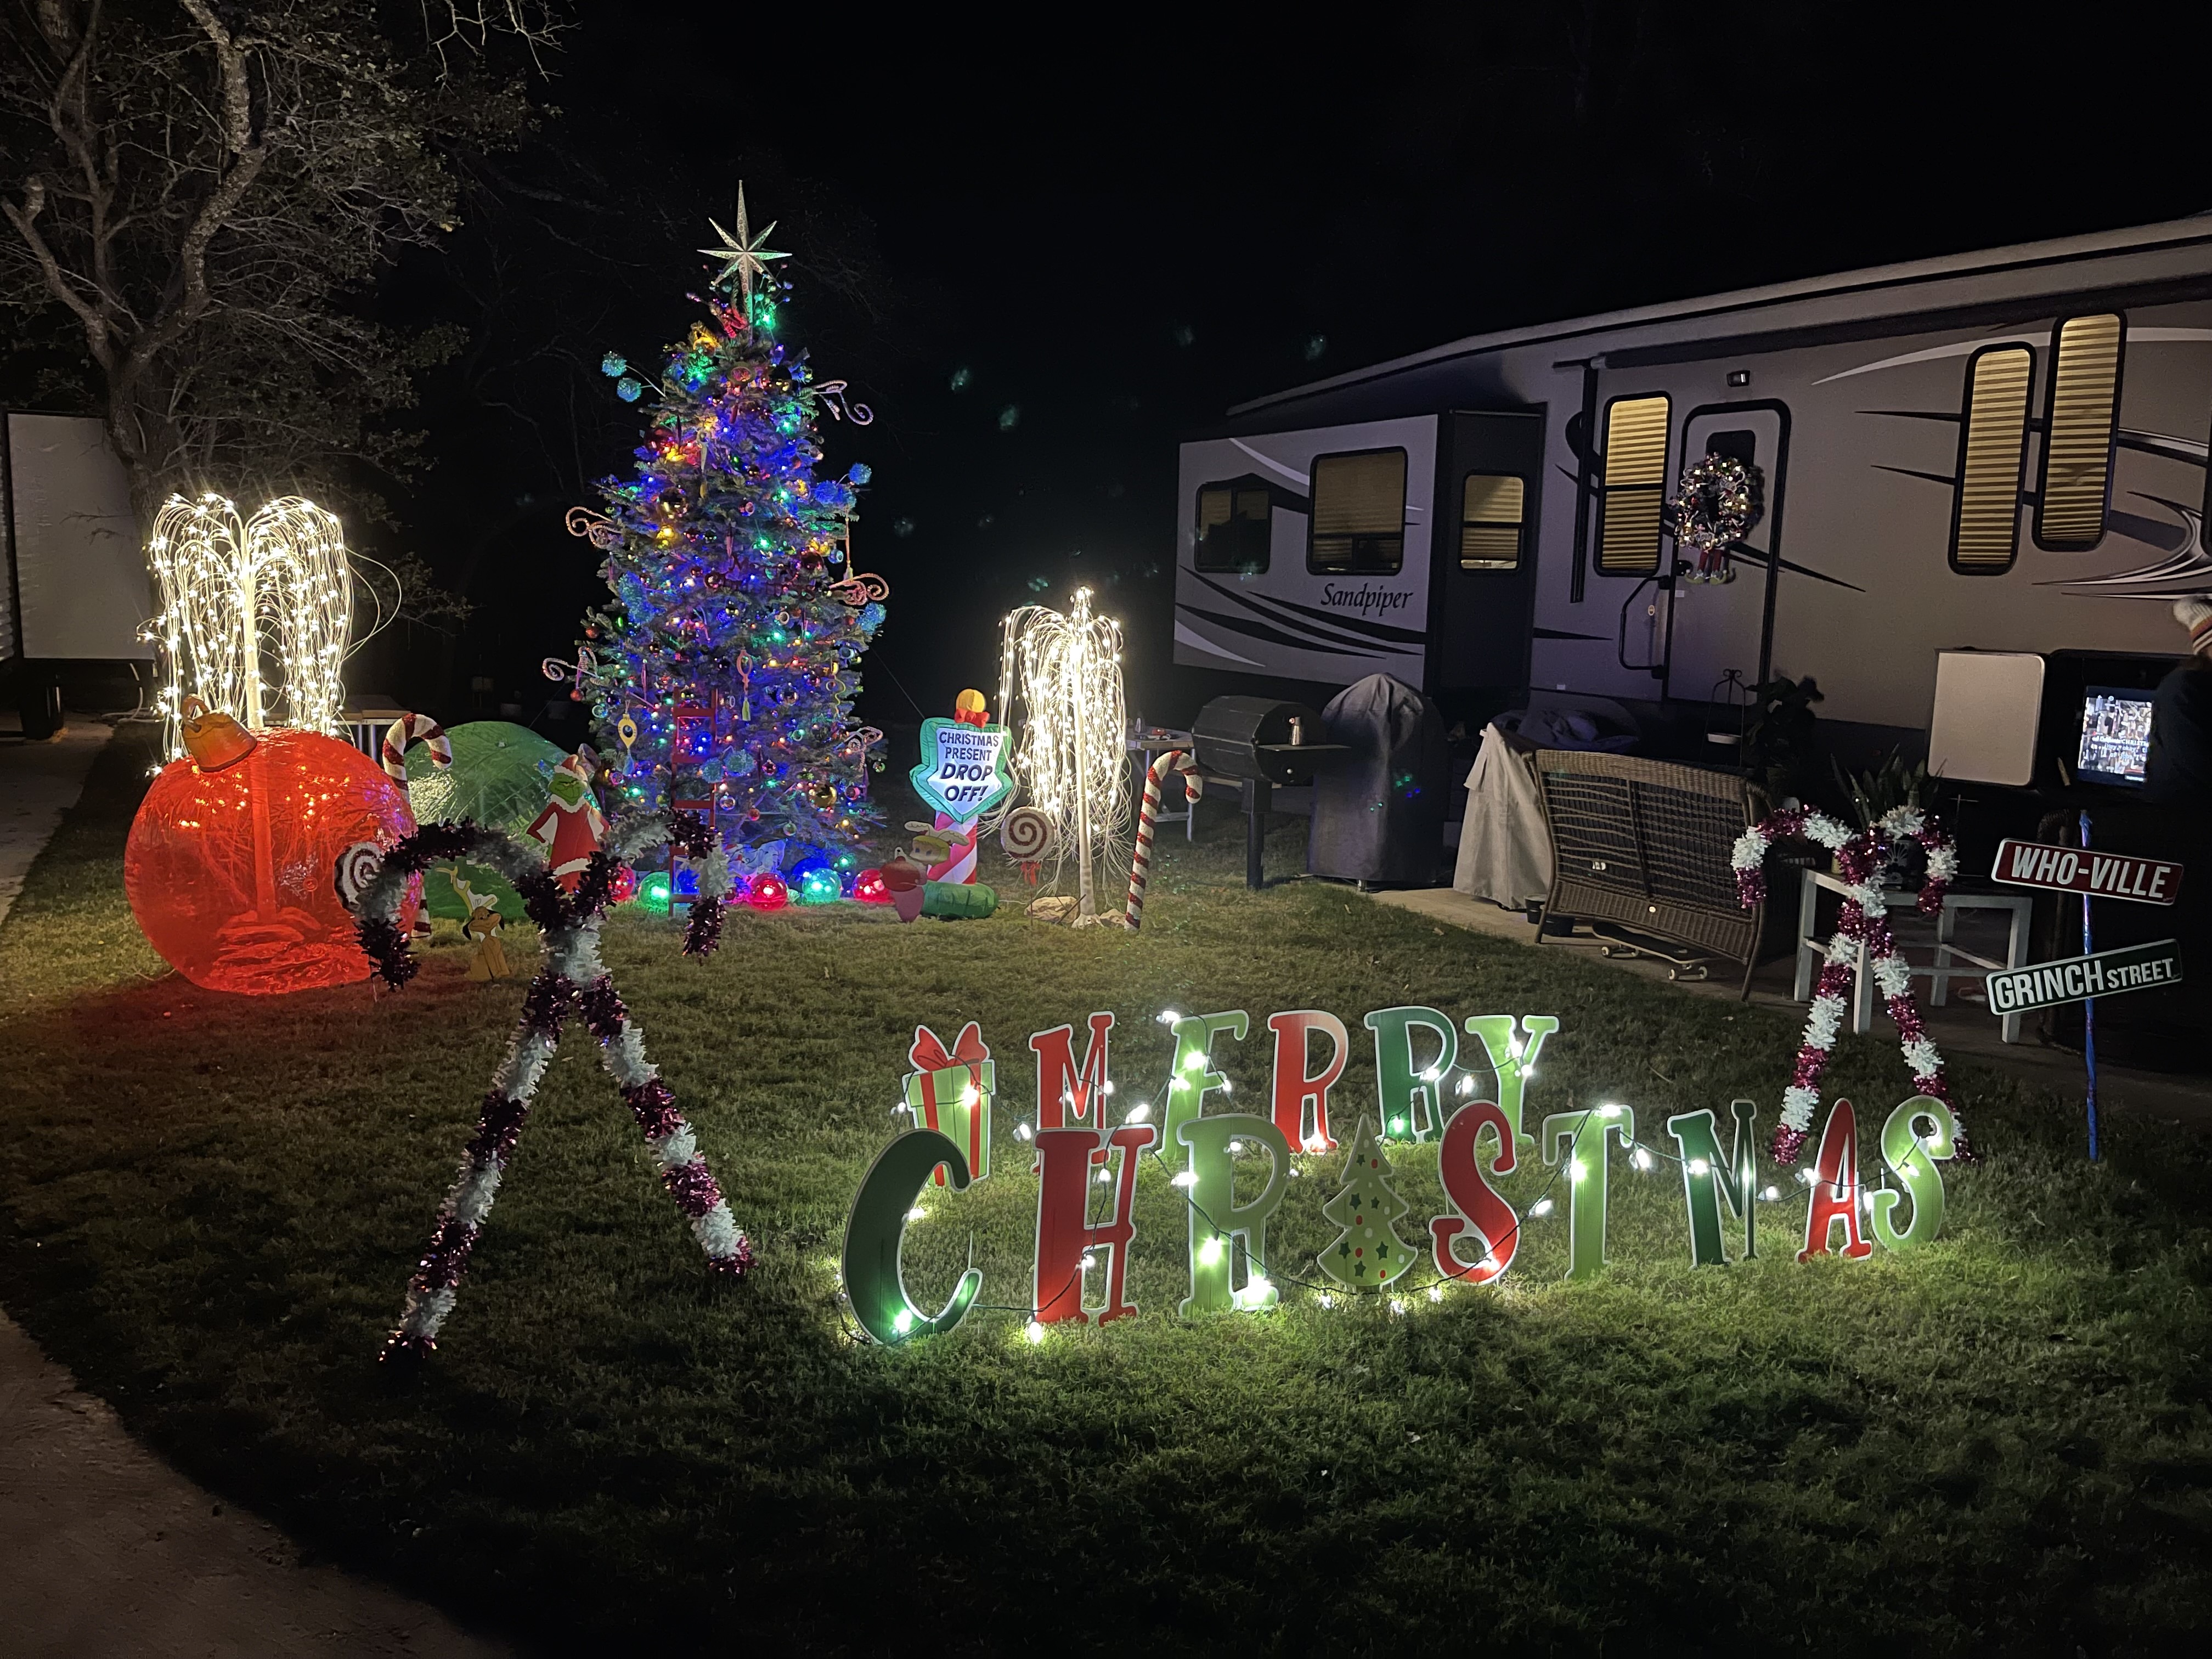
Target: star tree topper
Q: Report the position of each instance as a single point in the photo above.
(744, 254)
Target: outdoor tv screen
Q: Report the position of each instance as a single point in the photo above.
(2115, 735)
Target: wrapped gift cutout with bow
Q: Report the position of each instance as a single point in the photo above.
(950, 1092)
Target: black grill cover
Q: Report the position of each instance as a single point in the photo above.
(1378, 813)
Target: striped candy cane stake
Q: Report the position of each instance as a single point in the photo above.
(960, 862)
(1140, 861)
(406, 731)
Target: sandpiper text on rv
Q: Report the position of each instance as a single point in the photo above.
(1364, 599)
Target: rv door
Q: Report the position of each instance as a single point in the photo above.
(1489, 474)
(1715, 627)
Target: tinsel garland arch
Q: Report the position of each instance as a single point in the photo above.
(1861, 855)
(571, 981)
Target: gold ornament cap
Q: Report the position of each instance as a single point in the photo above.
(212, 738)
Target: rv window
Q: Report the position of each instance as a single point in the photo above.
(2079, 424)
(1358, 523)
(1992, 447)
(1234, 522)
(1490, 522)
(1634, 486)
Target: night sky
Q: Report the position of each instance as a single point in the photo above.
(1045, 251)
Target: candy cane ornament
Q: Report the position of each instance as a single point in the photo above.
(403, 734)
(1864, 921)
(572, 983)
(1140, 859)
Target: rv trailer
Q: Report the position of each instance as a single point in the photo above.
(2002, 452)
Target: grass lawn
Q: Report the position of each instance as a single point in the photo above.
(209, 1205)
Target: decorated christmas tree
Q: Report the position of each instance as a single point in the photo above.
(722, 671)
(1368, 1253)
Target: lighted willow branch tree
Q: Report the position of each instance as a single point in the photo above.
(1064, 674)
(232, 593)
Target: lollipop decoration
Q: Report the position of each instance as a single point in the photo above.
(1029, 836)
(571, 982)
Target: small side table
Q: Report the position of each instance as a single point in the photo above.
(1811, 950)
(1143, 746)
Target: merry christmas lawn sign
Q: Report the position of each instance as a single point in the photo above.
(1087, 1164)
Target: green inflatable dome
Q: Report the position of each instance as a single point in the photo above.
(498, 778)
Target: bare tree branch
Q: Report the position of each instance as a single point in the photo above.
(209, 189)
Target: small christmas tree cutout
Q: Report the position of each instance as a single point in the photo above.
(1368, 1254)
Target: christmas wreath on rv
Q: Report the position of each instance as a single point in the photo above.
(1715, 506)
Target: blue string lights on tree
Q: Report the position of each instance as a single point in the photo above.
(723, 670)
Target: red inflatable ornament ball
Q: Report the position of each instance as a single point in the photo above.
(767, 892)
(868, 888)
(232, 859)
(622, 886)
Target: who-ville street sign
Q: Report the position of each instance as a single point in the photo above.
(2108, 972)
(2080, 870)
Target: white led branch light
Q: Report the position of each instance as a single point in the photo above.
(278, 585)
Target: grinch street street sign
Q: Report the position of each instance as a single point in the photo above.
(2108, 972)
(962, 773)
(2078, 870)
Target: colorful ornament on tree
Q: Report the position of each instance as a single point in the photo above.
(951, 1090)
(230, 865)
(1368, 1254)
(572, 983)
(1714, 508)
(1861, 855)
